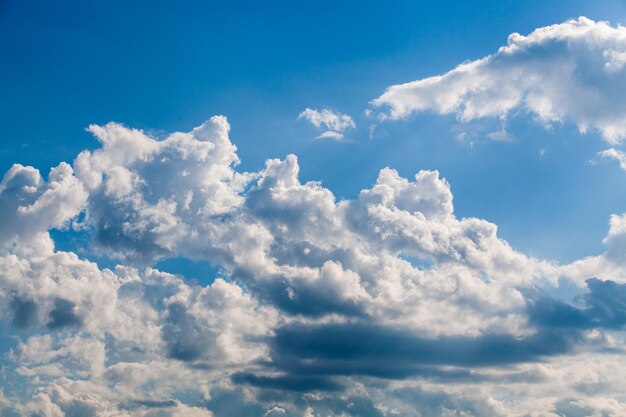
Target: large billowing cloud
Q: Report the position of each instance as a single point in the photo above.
(572, 72)
(384, 305)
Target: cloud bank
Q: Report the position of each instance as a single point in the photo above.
(384, 305)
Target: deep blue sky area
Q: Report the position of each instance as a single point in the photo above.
(166, 66)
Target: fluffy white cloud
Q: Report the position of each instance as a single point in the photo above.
(30, 206)
(149, 197)
(106, 341)
(334, 123)
(571, 72)
(385, 302)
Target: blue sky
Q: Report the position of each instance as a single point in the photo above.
(168, 67)
(282, 287)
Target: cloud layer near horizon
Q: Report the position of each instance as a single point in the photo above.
(384, 305)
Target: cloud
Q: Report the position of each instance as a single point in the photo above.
(610, 265)
(63, 315)
(384, 302)
(500, 136)
(334, 123)
(365, 349)
(30, 206)
(613, 153)
(288, 383)
(329, 134)
(571, 72)
(603, 306)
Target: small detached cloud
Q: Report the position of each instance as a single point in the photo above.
(333, 124)
(500, 136)
(613, 153)
(573, 72)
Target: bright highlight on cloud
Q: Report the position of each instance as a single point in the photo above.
(378, 306)
(333, 123)
(572, 72)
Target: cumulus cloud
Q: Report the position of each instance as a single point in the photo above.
(333, 123)
(30, 206)
(571, 72)
(380, 305)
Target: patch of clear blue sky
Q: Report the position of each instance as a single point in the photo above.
(165, 66)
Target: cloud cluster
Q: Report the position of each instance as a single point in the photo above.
(570, 72)
(378, 306)
(333, 124)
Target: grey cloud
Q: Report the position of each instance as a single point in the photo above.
(366, 342)
(185, 337)
(24, 312)
(607, 303)
(153, 403)
(233, 403)
(303, 298)
(288, 382)
(365, 349)
(63, 315)
(604, 307)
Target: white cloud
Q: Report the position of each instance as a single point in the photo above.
(30, 206)
(500, 136)
(610, 265)
(389, 273)
(334, 123)
(330, 134)
(571, 72)
(613, 153)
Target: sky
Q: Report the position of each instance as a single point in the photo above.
(312, 209)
